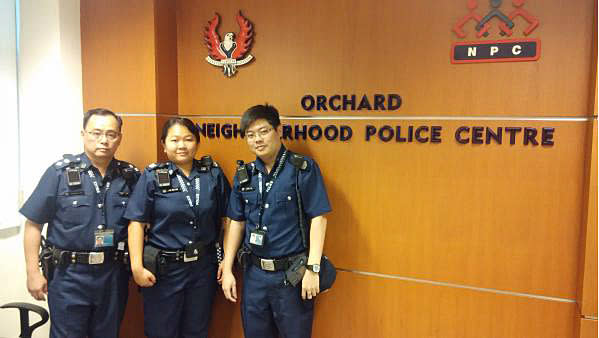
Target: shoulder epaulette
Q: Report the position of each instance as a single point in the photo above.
(126, 166)
(157, 165)
(299, 162)
(67, 160)
(207, 161)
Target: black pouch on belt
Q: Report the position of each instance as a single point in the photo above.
(151, 260)
(47, 262)
(243, 255)
(295, 273)
(328, 273)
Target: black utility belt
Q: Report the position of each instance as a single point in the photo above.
(279, 264)
(65, 257)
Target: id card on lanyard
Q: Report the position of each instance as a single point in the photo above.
(102, 237)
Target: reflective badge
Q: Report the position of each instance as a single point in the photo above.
(103, 238)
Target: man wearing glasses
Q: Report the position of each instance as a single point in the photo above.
(264, 215)
(82, 198)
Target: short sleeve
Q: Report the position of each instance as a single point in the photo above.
(314, 195)
(41, 205)
(141, 202)
(224, 192)
(235, 210)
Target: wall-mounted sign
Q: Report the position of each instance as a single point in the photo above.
(403, 133)
(496, 50)
(229, 53)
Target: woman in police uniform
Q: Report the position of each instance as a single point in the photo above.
(181, 205)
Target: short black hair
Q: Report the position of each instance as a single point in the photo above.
(192, 127)
(266, 112)
(101, 112)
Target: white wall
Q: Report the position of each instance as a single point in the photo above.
(50, 115)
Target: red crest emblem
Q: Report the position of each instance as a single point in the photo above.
(229, 53)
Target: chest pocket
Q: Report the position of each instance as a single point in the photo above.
(286, 198)
(75, 210)
(120, 202)
(250, 200)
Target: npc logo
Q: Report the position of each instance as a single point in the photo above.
(229, 53)
(496, 21)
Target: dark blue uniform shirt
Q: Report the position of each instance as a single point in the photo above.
(74, 214)
(173, 223)
(280, 210)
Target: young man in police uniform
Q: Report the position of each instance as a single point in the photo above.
(263, 208)
(82, 198)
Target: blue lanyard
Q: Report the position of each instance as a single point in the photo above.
(268, 185)
(101, 194)
(185, 191)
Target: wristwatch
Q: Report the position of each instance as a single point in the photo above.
(313, 267)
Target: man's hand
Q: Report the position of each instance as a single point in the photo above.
(37, 285)
(310, 285)
(229, 286)
(144, 278)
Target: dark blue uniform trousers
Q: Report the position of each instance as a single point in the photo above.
(180, 303)
(87, 300)
(271, 309)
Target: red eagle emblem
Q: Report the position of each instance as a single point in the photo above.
(230, 52)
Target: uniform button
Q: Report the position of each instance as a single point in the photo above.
(100, 205)
(190, 242)
(190, 222)
(195, 227)
(74, 202)
(289, 198)
(266, 205)
(123, 202)
(188, 183)
(246, 201)
(100, 227)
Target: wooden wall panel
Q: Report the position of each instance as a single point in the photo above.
(166, 57)
(588, 328)
(117, 55)
(503, 217)
(482, 215)
(588, 296)
(363, 306)
(357, 47)
(140, 143)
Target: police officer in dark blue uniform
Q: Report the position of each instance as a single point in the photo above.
(263, 208)
(181, 204)
(82, 198)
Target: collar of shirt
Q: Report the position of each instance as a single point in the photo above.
(192, 175)
(87, 164)
(262, 168)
